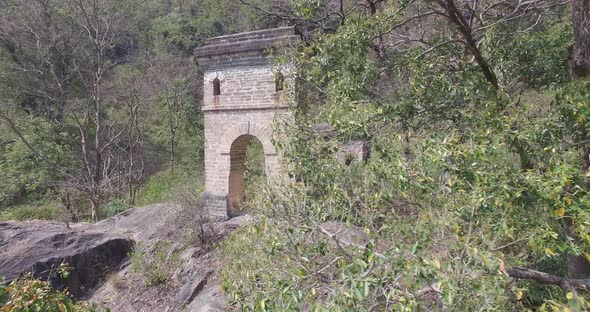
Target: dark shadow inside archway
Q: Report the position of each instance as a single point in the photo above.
(247, 172)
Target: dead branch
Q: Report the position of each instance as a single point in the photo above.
(568, 284)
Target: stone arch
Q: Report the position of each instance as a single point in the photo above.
(236, 179)
(262, 133)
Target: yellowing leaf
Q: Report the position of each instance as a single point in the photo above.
(502, 266)
(436, 263)
(550, 252)
(587, 256)
(568, 200)
(436, 287)
(569, 296)
(560, 212)
(518, 295)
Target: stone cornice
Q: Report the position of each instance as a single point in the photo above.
(211, 108)
(244, 48)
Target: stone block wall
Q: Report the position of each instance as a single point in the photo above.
(222, 129)
(242, 88)
(247, 106)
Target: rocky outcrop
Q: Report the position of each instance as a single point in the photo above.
(40, 247)
(345, 234)
(98, 254)
(192, 289)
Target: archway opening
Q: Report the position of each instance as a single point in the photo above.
(247, 172)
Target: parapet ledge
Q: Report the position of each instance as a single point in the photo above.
(248, 43)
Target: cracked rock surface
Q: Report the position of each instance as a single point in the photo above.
(102, 270)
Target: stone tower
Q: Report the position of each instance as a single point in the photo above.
(243, 95)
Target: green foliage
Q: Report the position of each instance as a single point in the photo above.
(255, 174)
(4, 296)
(27, 294)
(194, 219)
(24, 173)
(537, 59)
(309, 9)
(180, 32)
(464, 180)
(152, 68)
(115, 207)
(155, 264)
(33, 210)
(162, 186)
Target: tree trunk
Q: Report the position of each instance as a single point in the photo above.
(173, 146)
(94, 204)
(456, 18)
(580, 62)
(97, 175)
(567, 284)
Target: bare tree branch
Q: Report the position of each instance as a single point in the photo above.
(568, 284)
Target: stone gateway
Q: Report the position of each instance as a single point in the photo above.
(243, 96)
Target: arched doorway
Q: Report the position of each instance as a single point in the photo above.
(247, 172)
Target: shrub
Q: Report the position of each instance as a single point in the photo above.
(194, 217)
(115, 207)
(163, 186)
(40, 210)
(29, 294)
(155, 264)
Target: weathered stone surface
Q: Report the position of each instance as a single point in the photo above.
(243, 49)
(241, 102)
(145, 225)
(99, 252)
(324, 130)
(190, 290)
(345, 233)
(193, 285)
(209, 300)
(40, 247)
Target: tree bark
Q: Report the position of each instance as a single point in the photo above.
(580, 62)
(94, 204)
(568, 284)
(456, 18)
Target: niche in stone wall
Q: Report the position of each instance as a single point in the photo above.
(216, 86)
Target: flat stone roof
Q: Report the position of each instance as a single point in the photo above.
(243, 48)
(252, 35)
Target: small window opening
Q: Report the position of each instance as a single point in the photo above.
(216, 87)
(279, 82)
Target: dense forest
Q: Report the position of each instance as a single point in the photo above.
(98, 97)
(476, 115)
